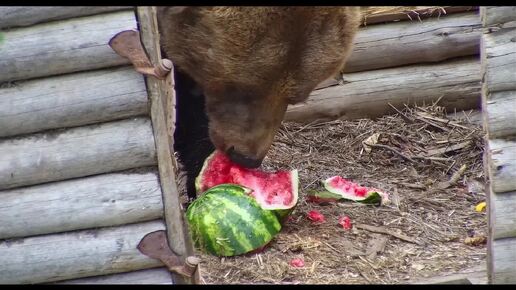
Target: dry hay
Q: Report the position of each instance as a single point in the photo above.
(417, 159)
(378, 14)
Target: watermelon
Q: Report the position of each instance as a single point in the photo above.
(338, 188)
(226, 221)
(276, 191)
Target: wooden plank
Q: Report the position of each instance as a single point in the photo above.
(420, 12)
(500, 110)
(77, 254)
(76, 152)
(367, 94)
(90, 202)
(499, 59)
(162, 97)
(15, 16)
(61, 47)
(502, 165)
(72, 100)
(147, 276)
(503, 214)
(473, 275)
(503, 253)
(403, 43)
(499, 15)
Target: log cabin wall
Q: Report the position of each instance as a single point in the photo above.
(399, 59)
(79, 153)
(79, 181)
(498, 55)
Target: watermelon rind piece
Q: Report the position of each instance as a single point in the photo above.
(226, 221)
(294, 180)
(371, 196)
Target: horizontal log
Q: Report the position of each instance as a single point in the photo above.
(503, 261)
(77, 254)
(500, 111)
(76, 152)
(72, 100)
(367, 94)
(61, 47)
(498, 15)
(502, 165)
(402, 43)
(503, 214)
(416, 14)
(82, 203)
(499, 59)
(147, 276)
(16, 16)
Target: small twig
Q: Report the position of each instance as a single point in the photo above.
(393, 150)
(447, 149)
(382, 230)
(453, 179)
(405, 117)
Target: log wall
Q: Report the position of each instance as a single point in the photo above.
(404, 61)
(79, 175)
(498, 56)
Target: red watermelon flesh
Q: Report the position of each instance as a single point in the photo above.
(352, 191)
(272, 190)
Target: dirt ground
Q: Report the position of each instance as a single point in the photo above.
(430, 164)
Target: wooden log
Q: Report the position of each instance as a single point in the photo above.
(503, 263)
(499, 15)
(503, 214)
(367, 94)
(76, 152)
(499, 59)
(61, 47)
(16, 16)
(500, 110)
(72, 100)
(162, 96)
(413, 15)
(77, 254)
(147, 276)
(502, 165)
(82, 203)
(402, 43)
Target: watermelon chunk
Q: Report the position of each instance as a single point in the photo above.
(226, 221)
(272, 190)
(340, 188)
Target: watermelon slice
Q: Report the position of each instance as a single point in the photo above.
(338, 188)
(272, 190)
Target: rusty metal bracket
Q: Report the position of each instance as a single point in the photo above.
(128, 44)
(155, 245)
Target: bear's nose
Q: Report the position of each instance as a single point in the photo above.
(243, 160)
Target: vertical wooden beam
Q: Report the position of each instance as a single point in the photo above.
(162, 100)
(498, 59)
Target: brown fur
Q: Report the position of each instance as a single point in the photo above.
(251, 62)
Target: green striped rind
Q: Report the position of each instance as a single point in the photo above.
(225, 221)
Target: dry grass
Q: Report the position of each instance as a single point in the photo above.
(416, 159)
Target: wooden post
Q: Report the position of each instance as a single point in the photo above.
(498, 56)
(162, 98)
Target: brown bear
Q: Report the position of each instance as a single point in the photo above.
(251, 62)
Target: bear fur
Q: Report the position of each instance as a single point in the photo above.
(238, 68)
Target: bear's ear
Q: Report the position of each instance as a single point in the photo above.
(177, 9)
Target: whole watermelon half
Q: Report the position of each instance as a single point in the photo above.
(277, 191)
(226, 221)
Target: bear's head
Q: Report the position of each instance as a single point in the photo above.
(251, 62)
